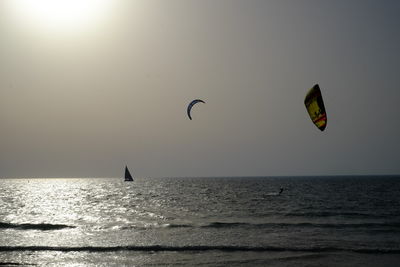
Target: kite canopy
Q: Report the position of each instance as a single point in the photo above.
(191, 104)
(315, 107)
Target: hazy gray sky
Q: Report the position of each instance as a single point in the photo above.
(85, 101)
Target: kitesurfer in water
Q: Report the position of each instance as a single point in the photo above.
(274, 194)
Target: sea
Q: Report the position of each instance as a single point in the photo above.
(213, 221)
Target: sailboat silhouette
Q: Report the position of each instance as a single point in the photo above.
(128, 176)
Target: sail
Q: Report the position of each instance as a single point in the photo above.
(128, 176)
(315, 107)
(191, 104)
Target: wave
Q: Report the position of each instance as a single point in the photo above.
(177, 225)
(303, 225)
(155, 226)
(220, 225)
(48, 227)
(335, 214)
(160, 248)
(231, 224)
(33, 226)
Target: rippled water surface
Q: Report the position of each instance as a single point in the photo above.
(316, 221)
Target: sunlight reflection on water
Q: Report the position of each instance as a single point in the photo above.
(95, 214)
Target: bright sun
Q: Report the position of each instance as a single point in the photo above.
(60, 15)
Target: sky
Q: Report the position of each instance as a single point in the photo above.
(84, 94)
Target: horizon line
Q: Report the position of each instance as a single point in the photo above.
(226, 176)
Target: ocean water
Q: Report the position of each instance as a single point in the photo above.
(316, 221)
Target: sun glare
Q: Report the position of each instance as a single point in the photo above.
(60, 15)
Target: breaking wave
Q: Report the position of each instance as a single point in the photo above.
(33, 226)
(390, 225)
